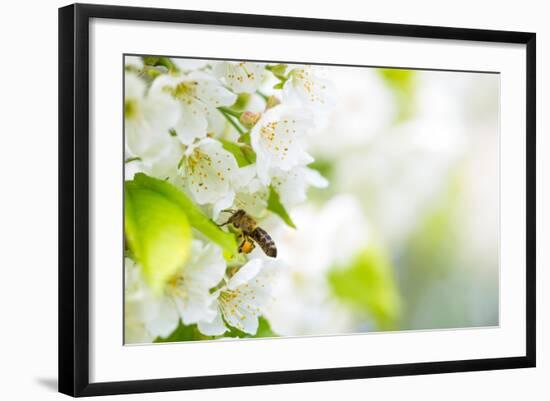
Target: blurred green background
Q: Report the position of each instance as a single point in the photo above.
(406, 235)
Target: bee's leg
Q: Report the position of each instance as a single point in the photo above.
(247, 245)
(241, 238)
(228, 220)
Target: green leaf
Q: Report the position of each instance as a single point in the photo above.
(245, 138)
(196, 217)
(161, 61)
(184, 333)
(243, 154)
(152, 73)
(157, 232)
(230, 116)
(241, 102)
(230, 111)
(274, 204)
(249, 153)
(264, 330)
(278, 70)
(368, 284)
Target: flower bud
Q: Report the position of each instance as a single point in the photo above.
(272, 101)
(249, 118)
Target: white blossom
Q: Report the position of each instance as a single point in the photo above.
(252, 198)
(198, 96)
(190, 288)
(278, 140)
(186, 296)
(305, 86)
(364, 110)
(292, 185)
(148, 118)
(304, 303)
(162, 166)
(242, 301)
(146, 316)
(212, 174)
(173, 130)
(241, 77)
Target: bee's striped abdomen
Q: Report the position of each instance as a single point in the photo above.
(264, 240)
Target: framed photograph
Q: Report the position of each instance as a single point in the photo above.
(250, 199)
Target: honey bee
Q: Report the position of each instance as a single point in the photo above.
(250, 232)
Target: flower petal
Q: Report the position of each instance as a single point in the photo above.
(292, 185)
(134, 87)
(224, 203)
(252, 198)
(212, 93)
(278, 140)
(244, 318)
(215, 327)
(163, 317)
(192, 291)
(308, 88)
(216, 121)
(187, 64)
(245, 273)
(241, 77)
(147, 118)
(192, 124)
(209, 170)
(243, 176)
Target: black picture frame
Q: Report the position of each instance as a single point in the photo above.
(74, 198)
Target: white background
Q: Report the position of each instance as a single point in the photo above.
(28, 219)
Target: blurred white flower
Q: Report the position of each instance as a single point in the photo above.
(212, 174)
(148, 118)
(241, 77)
(365, 108)
(190, 288)
(162, 166)
(416, 157)
(186, 296)
(198, 95)
(242, 301)
(146, 316)
(278, 140)
(302, 307)
(326, 237)
(292, 185)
